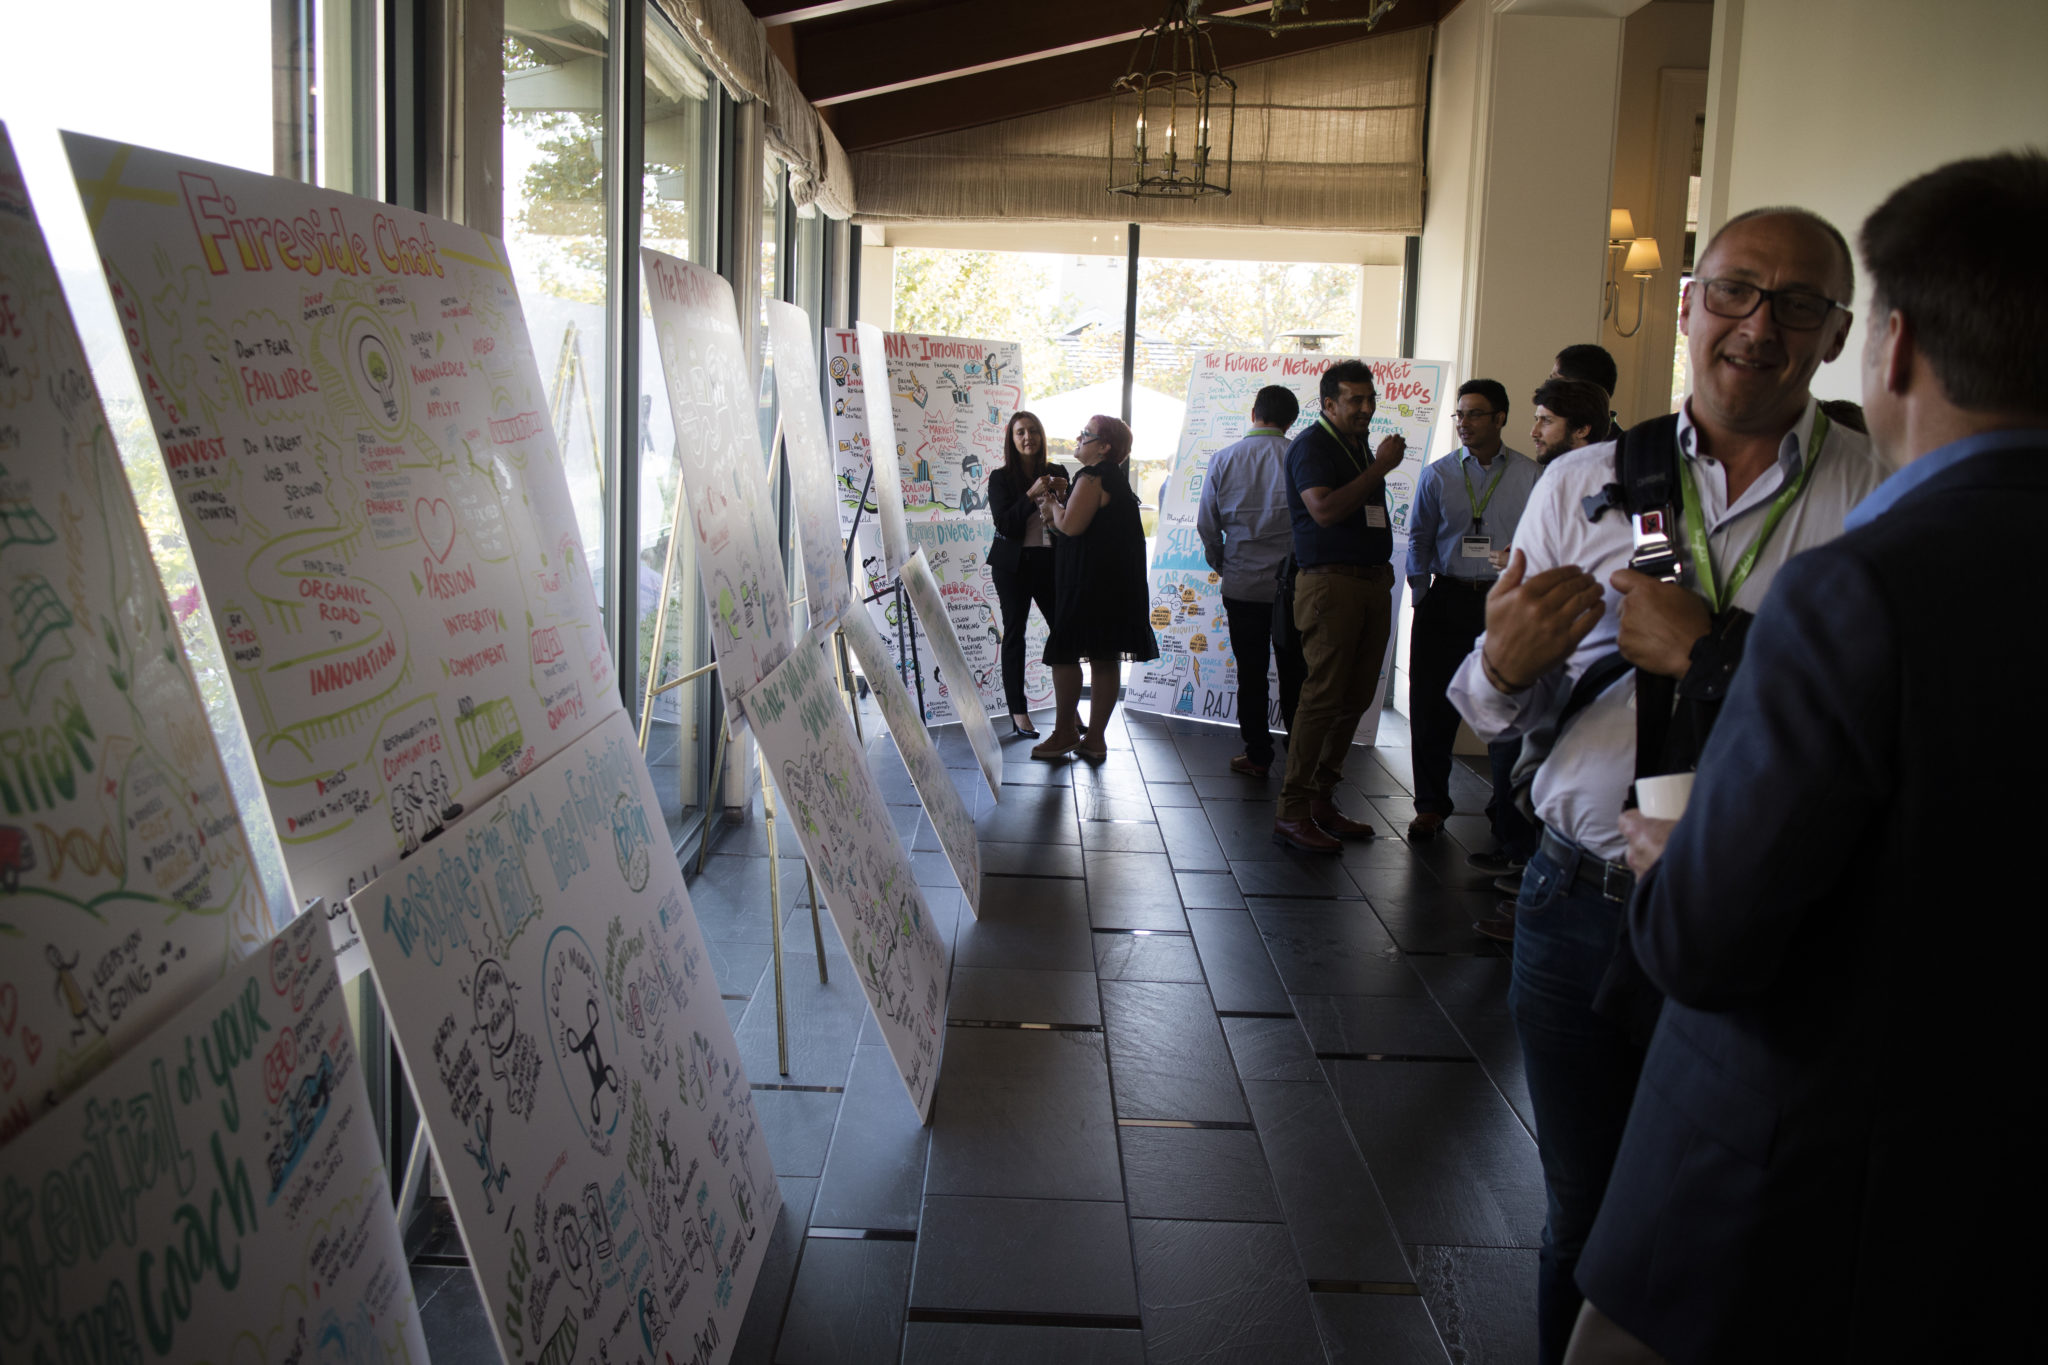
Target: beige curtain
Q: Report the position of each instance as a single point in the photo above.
(1327, 140)
(729, 39)
(732, 43)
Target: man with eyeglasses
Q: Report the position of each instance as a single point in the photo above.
(1760, 474)
(1466, 505)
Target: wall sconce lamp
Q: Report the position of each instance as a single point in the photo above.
(1637, 256)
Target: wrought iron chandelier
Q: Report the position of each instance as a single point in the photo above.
(1172, 115)
(1171, 111)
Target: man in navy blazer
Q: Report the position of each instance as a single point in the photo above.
(1829, 1130)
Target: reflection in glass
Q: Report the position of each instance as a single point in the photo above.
(677, 185)
(555, 231)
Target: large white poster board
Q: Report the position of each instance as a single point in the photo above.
(358, 441)
(951, 670)
(216, 1194)
(126, 885)
(951, 819)
(1196, 673)
(550, 994)
(863, 872)
(955, 395)
(731, 510)
(885, 449)
(809, 453)
(949, 400)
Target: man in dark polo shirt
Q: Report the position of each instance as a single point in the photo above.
(1343, 600)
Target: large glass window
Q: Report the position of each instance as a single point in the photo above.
(678, 192)
(1066, 311)
(1186, 307)
(555, 230)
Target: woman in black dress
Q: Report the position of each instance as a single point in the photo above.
(1099, 607)
(1020, 558)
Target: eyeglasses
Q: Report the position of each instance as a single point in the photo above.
(1800, 310)
(1462, 415)
(1085, 437)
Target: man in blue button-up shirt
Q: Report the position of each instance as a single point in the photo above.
(1466, 506)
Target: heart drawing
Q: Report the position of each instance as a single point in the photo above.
(436, 523)
(32, 1044)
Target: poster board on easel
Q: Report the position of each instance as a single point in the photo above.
(949, 400)
(127, 886)
(809, 454)
(556, 1009)
(358, 442)
(1195, 676)
(695, 319)
(808, 745)
(217, 1193)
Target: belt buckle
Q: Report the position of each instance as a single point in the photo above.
(1616, 881)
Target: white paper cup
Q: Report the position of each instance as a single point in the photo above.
(1663, 798)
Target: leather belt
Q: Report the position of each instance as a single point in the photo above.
(1367, 571)
(1443, 580)
(1612, 880)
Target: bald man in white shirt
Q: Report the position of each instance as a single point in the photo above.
(1766, 475)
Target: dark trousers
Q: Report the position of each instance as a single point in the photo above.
(1447, 620)
(1016, 590)
(1581, 1068)
(1251, 632)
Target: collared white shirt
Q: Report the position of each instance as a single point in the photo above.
(1581, 786)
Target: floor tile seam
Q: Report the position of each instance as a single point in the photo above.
(1485, 1068)
(1013, 1318)
(1384, 1288)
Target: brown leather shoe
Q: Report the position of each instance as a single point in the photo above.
(1424, 826)
(1304, 835)
(1243, 764)
(1500, 925)
(1336, 823)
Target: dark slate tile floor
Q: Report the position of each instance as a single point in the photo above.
(1202, 1098)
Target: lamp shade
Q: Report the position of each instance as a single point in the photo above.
(1643, 257)
(1620, 226)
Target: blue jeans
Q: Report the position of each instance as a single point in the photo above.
(1582, 1072)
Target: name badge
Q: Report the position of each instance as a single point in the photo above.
(1476, 547)
(1376, 517)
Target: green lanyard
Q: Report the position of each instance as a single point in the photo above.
(1710, 588)
(1324, 423)
(1478, 504)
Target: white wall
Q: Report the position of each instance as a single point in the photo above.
(1838, 102)
(1521, 153)
(1660, 38)
(1457, 100)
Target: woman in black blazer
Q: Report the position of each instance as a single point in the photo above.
(1021, 556)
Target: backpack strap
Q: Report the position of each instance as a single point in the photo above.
(1602, 674)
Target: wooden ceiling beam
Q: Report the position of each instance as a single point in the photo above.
(991, 94)
(776, 13)
(881, 51)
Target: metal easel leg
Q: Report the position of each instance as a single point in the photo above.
(775, 909)
(711, 793)
(817, 933)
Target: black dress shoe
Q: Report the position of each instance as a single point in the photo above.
(1022, 731)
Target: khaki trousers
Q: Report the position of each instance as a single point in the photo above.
(1343, 623)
